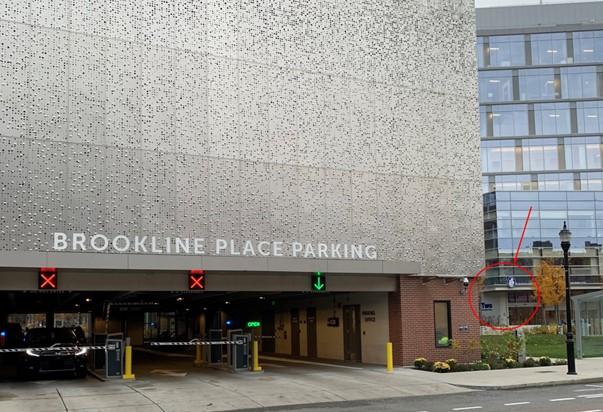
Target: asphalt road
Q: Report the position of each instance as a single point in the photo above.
(566, 398)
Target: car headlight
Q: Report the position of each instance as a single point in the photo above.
(32, 353)
(82, 351)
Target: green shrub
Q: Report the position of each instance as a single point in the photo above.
(461, 367)
(550, 329)
(428, 366)
(441, 367)
(479, 366)
(545, 361)
(511, 363)
(529, 363)
(420, 363)
(452, 363)
(560, 362)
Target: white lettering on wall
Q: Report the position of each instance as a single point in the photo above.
(261, 250)
(199, 246)
(220, 245)
(125, 246)
(139, 245)
(94, 245)
(60, 241)
(230, 247)
(182, 245)
(78, 241)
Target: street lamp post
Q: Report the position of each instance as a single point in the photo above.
(565, 236)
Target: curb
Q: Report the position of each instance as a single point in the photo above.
(530, 385)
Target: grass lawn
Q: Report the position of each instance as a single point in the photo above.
(552, 346)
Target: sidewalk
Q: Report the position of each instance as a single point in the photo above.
(173, 385)
(589, 370)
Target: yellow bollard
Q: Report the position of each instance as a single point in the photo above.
(256, 357)
(199, 358)
(389, 348)
(128, 374)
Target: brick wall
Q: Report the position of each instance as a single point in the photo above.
(411, 321)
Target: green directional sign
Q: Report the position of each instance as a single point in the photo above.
(319, 282)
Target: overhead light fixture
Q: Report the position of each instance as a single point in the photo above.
(88, 300)
(262, 298)
(592, 116)
(226, 302)
(552, 51)
(588, 51)
(494, 49)
(495, 114)
(179, 298)
(550, 82)
(493, 81)
(554, 115)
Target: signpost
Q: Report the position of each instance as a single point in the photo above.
(318, 282)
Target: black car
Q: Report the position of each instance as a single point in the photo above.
(67, 360)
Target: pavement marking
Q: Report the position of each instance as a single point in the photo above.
(516, 403)
(594, 386)
(591, 396)
(587, 390)
(273, 365)
(593, 410)
(303, 362)
(467, 408)
(562, 399)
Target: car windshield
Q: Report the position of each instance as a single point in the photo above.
(47, 337)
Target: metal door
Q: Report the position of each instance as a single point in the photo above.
(295, 332)
(268, 332)
(311, 324)
(351, 333)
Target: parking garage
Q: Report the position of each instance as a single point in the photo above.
(318, 309)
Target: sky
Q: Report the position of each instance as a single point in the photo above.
(494, 3)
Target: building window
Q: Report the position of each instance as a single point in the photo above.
(506, 51)
(443, 324)
(540, 154)
(496, 86)
(582, 152)
(538, 84)
(480, 52)
(588, 46)
(590, 117)
(498, 156)
(579, 82)
(509, 120)
(549, 48)
(552, 118)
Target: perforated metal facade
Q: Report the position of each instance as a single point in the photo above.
(293, 121)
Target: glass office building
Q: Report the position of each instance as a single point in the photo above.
(541, 123)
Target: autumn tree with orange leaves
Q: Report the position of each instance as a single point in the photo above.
(551, 279)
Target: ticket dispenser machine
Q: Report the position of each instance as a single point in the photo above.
(239, 352)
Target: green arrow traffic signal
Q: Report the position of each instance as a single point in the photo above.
(318, 282)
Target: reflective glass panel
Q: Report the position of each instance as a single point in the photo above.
(549, 48)
(506, 51)
(588, 46)
(509, 120)
(496, 86)
(579, 82)
(552, 118)
(535, 84)
(590, 117)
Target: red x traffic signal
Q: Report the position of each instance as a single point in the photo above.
(48, 278)
(196, 279)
